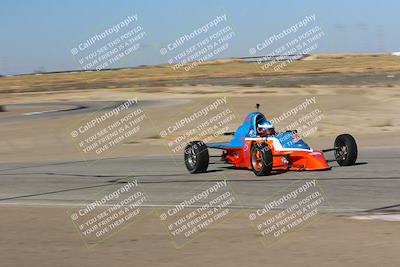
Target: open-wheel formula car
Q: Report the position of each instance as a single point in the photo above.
(256, 146)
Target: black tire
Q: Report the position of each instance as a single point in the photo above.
(261, 166)
(196, 157)
(346, 150)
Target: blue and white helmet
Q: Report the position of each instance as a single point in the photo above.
(264, 127)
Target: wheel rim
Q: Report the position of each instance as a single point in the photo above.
(257, 160)
(341, 153)
(192, 158)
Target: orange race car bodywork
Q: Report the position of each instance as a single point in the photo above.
(288, 150)
(278, 151)
(286, 160)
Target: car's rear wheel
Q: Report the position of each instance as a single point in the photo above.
(196, 157)
(261, 159)
(345, 150)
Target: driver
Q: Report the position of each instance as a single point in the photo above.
(264, 128)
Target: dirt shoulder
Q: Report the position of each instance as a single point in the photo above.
(370, 114)
(41, 236)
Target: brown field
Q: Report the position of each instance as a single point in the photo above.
(367, 111)
(155, 75)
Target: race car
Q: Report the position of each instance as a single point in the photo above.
(256, 146)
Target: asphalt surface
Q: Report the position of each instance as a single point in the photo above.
(18, 112)
(372, 184)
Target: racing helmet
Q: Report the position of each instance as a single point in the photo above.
(265, 128)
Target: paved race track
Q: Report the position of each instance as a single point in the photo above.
(372, 184)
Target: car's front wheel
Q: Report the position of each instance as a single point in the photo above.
(196, 157)
(345, 150)
(261, 159)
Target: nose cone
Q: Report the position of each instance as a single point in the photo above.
(316, 161)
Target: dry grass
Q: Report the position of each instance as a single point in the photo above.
(156, 75)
